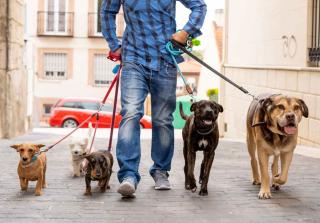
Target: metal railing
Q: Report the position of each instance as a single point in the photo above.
(52, 23)
(94, 24)
(314, 50)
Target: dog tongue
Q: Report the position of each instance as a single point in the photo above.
(290, 130)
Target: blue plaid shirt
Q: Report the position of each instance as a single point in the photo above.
(149, 26)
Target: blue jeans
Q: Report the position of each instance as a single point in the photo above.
(136, 82)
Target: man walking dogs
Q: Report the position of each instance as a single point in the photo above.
(147, 68)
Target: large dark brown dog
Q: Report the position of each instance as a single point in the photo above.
(100, 169)
(200, 133)
(272, 129)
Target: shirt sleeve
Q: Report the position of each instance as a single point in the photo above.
(109, 10)
(198, 12)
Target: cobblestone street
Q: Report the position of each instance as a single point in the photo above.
(231, 198)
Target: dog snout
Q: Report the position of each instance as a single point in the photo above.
(24, 158)
(290, 117)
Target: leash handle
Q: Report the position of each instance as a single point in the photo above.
(182, 48)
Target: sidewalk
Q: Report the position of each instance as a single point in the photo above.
(231, 198)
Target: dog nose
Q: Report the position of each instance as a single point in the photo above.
(209, 112)
(75, 152)
(290, 117)
(24, 159)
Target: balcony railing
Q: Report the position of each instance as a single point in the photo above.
(314, 50)
(55, 23)
(94, 25)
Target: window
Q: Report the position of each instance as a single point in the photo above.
(55, 66)
(314, 50)
(69, 104)
(98, 19)
(56, 16)
(89, 105)
(102, 70)
(47, 109)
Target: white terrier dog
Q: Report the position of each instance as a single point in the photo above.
(80, 147)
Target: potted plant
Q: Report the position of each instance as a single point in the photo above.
(212, 93)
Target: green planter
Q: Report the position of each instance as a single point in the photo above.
(178, 122)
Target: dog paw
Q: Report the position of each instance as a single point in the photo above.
(193, 189)
(102, 189)
(87, 193)
(264, 194)
(203, 192)
(38, 193)
(276, 186)
(278, 180)
(44, 185)
(76, 175)
(24, 188)
(256, 182)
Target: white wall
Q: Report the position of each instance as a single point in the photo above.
(256, 28)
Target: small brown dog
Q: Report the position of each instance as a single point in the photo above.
(32, 167)
(100, 169)
(272, 130)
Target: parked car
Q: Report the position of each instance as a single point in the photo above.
(70, 112)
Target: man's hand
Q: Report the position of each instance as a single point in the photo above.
(180, 36)
(116, 55)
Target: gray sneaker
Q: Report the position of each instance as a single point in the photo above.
(161, 180)
(127, 188)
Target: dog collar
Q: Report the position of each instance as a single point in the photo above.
(34, 158)
(205, 133)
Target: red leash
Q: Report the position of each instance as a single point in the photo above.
(114, 81)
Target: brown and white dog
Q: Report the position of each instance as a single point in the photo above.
(272, 129)
(79, 147)
(32, 166)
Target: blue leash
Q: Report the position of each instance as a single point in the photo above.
(176, 52)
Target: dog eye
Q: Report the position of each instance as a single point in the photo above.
(21, 150)
(281, 107)
(30, 150)
(296, 107)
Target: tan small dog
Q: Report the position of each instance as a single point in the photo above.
(272, 129)
(32, 167)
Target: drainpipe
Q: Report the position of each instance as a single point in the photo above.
(224, 62)
(5, 122)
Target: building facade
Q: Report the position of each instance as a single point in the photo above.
(272, 46)
(13, 85)
(66, 52)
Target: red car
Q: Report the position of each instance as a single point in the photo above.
(70, 112)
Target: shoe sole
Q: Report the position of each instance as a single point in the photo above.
(126, 190)
(162, 187)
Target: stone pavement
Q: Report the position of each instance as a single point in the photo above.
(231, 198)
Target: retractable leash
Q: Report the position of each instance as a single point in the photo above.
(185, 49)
(114, 82)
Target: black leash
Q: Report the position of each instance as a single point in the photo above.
(182, 48)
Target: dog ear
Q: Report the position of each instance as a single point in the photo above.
(193, 106)
(16, 146)
(265, 103)
(304, 108)
(219, 107)
(40, 145)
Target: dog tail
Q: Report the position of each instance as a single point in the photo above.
(183, 115)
